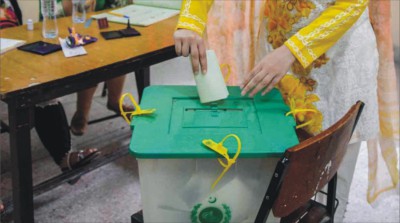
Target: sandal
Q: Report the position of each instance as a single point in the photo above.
(73, 160)
(126, 108)
(78, 124)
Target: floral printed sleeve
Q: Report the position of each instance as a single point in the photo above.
(194, 15)
(316, 38)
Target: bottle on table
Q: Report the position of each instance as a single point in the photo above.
(49, 25)
(29, 24)
(78, 11)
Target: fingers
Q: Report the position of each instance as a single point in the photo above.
(249, 81)
(178, 47)
(261, 85)
(182, 40)
(248, 78)
(178, 43)
(252, 85)
(259, 82)
(274, 81)
(194, 57)
(185, 48)
(187, 43)
(269, 71)
(203, 56)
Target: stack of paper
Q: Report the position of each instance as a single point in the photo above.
(139, 15)
(9, 44)
(174, 4)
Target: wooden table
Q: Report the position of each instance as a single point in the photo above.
(27, 79)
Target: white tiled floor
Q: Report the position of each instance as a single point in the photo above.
(112, 192)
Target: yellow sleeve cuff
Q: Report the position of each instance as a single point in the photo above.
(319, 36)
(193, 15)
(191, 26)
(299, 50)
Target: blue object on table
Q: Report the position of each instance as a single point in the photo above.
(88, 22)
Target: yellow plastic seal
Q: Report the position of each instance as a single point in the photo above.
(293, 111)
(223, 151)
(138, 110)
(228, 74)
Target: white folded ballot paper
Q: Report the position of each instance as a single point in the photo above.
(211, 86)
(71, 52)
(140, 13)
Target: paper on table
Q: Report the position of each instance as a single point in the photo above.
(175, 4)
(139, 15)
(9, 44)
(211, 86)
(71, 52)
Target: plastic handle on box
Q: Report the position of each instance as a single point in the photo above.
(223, 151)
(217, 147)
(138, 110)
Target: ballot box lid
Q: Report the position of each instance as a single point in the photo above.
(180, 123)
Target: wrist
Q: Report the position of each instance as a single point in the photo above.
(288, 54)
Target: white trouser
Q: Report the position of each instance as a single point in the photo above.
(345, 176)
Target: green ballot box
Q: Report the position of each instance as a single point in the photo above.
(177, 169)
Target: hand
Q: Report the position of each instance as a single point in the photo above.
(189, 42)
(268, 72)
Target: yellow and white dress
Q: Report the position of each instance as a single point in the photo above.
(333, 41)
(335, 48)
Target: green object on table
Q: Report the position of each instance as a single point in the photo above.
(181, 122)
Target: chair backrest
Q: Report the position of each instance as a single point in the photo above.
(309, 166)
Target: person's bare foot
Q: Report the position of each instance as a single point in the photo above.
(78, 124)
(2, 208)
(115, 107)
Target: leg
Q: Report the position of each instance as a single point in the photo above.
(142, 79)
(81, 116)
(1, 207)
(52, 127)
(345, 176)
(115, 87)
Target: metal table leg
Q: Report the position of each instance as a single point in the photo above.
(20, 149)
(142, 79)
